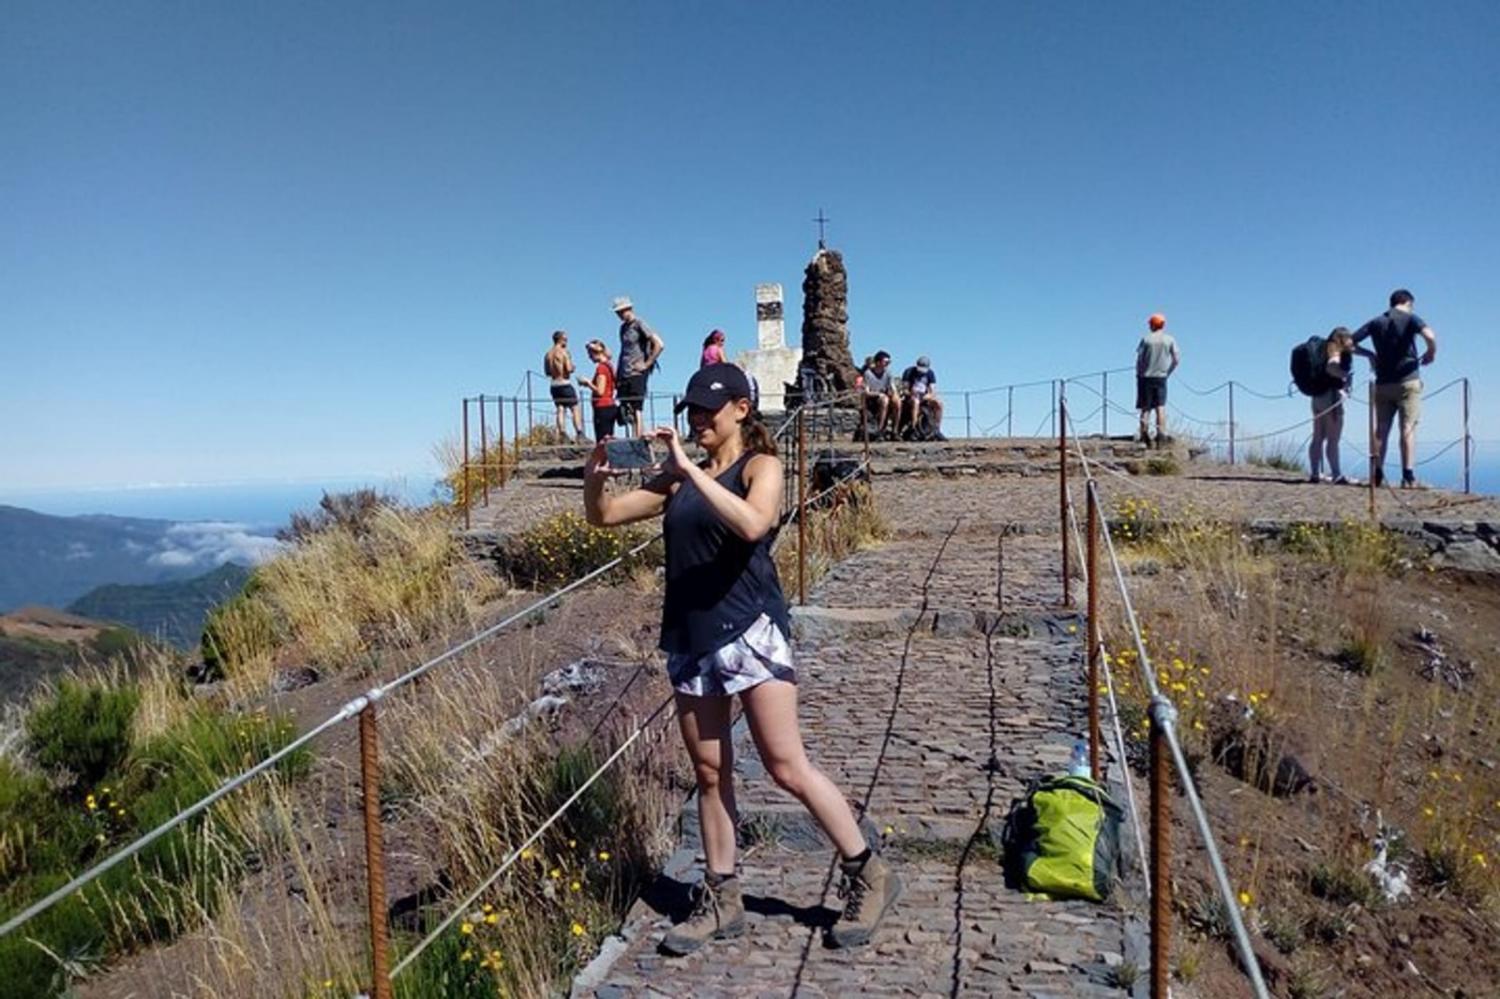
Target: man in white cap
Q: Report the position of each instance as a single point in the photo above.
(920, 382)
(639, 349)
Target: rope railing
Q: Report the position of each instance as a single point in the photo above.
(1163, 716)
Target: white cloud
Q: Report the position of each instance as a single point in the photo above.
(212, 543)
(78, 550)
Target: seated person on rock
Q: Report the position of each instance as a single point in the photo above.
(881, 397)
(920, 384)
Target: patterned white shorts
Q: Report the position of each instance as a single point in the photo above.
(762, 653)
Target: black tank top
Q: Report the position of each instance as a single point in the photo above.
(718, 584)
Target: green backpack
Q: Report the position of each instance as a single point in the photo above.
(1062, 839)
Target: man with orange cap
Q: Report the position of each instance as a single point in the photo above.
(1156, 357)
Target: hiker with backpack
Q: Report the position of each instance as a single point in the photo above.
(1322, 369)
(920, 385)
(726, 631)
(1398, 379)
(640, 348)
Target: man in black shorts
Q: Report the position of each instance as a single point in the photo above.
(558, 364)
(639, 349)
(1156, 357)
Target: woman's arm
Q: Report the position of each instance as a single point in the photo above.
(604, 510)
(750, 518)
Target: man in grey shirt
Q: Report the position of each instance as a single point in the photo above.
(639, 349)
(1156, 357)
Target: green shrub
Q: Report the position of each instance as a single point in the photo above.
(44, 839)
(83, 728)
(1342, 884)
(114, 643)
(1162, 464)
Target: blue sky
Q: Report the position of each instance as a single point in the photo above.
(265, 241)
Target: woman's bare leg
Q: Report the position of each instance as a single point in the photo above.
(771, 708)
(704, 722)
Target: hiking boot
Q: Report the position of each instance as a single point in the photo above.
(1314, 479)
(868, 889)
(718, 914)
(1142, 438)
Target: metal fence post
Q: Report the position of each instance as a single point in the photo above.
(1093, 631)
(463, 479)
(1010, 410)
(369, 779)
(1054, 406)
(802, 505)
(500, 438)
(1104, 408)
(1231, 422)
(484, 453)
(968, 419)
(1468, 440)
(1062, 491)
(1161, 850)
(530, 406)
(515, 417)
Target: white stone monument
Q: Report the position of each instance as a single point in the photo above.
(772, 363)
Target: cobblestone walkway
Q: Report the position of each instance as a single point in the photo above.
(932, 728)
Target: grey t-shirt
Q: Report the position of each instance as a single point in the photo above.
(635, 338)
(1156, 355)
(878, 384)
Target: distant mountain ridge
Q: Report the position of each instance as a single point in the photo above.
(169, 612)
(55, 561)
(38, 643)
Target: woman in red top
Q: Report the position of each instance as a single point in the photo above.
(606, 410)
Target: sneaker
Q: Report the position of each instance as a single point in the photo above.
(868, 889)
(718, 914)
(1409, 479)
(1142, 439)
(1314, 479)
(1343, 480)
(937, 436)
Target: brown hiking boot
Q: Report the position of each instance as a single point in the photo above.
(868, 889)
(718, 914)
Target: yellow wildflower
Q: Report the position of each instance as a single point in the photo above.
(466, 928)
(1246, 898)
(578, 930)
(603, 854)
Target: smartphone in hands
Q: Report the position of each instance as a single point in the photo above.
(629, 453)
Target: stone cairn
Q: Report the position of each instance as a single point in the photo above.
(825, 323)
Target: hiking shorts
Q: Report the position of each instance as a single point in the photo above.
(630, 390)
(565, 395)
(1403, 399)
(1150, 393)
(605, 418)
(762, 653)
(1324, 403)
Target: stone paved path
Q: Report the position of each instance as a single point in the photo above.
(933, 726)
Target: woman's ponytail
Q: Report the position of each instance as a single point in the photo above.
(756, 435)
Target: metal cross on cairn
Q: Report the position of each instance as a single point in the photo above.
(822, 221)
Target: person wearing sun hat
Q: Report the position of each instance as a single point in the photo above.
(726, 630)
(1156, 357)
(639, 349)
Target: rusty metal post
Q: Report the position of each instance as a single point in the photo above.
(369, 779)
(500, 439)
(515, 418)
(1231, 422)
(1376, 463)
(530, 406)
(1104, 408)
(1093, 631)
(484, 453)
(802, 506)
(1468, 440)
(1062, 492)
(1161, 850)
(463, 479)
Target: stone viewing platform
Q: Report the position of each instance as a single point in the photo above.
(933, 688)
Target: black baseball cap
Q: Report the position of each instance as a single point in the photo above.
(714, 385)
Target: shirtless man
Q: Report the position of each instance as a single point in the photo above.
(558, 364)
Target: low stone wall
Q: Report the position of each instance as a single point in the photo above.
(1469, 545)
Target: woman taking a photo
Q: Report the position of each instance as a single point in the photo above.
(725, 630)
